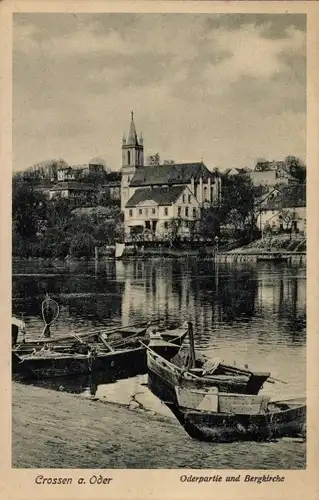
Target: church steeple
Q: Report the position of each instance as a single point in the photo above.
(132, 148)
(132, 135)
(132, 159)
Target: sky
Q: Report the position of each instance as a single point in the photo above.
(227, 89)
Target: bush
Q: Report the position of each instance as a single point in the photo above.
(82, 245)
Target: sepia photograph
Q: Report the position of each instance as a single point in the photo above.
(159, 242)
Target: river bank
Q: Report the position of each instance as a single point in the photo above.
(53, 429)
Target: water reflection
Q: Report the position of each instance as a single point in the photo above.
(252, 313)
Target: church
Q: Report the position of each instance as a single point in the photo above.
(152, 196)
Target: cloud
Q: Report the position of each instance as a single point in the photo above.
(250, 54)
(201, 85)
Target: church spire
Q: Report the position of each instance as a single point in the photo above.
(132, 135)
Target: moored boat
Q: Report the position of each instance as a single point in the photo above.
(49, 363)
(164, 375)
(213, 416)
(191, 372)
(82, 358)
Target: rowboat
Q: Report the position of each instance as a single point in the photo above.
(50, 363)
(82, 358)
(164, 375)
(187, 370)
(210, 415)
(114, 334)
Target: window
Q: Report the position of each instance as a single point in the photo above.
(165, 211)
(189, 198)
(129, 158)
(131, 212)
(205, 194)
(186, 211)
(140, 211)
(165, 224)
(153, 211)
(179, 211)
(184, 201)
(194, 212)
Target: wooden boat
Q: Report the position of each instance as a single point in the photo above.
(164, 375)
(57, 361)
(213, 416)
(50, 363)
(189, 372)
(165, 339)
(114, 334)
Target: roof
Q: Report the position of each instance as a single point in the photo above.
(80, 167)
(293, 196)
(175, 173)
(67, 167)
(97, 161)
(132, 135)
(161, 195)
(79, 186)
(238, 170)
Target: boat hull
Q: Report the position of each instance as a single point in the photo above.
(164, 376)
(221, 428)
(131, 359)
(38, 367)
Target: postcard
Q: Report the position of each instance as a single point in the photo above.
(158, 253)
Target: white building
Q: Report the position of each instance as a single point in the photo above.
(153, 196)
(284, 209)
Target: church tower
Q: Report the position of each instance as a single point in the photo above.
(132, 158)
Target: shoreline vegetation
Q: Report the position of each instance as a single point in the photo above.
(80, 227)
(110, 435)
(293, 249)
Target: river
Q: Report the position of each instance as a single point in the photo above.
(253, 314)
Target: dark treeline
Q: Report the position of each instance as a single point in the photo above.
(59, 227)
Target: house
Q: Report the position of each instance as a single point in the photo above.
(284, 209)
(76, 172)
(154, 195)
(97, 165)
(153, 209)
(44, 188)
(72, 190)
(236, 171)
(113, 190)
(71, 173)
(270, 173)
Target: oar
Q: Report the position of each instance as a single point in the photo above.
(96, 332)
(249, 372)
(272, 379)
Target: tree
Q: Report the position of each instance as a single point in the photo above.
(173, 229)
(238, 200)
(154, 159)
(168, 162)
(288, 219)
(209, 223)
(295, 167)
(28, 209)
(95, 178)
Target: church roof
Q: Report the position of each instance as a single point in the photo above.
(132, 135)
(161, 195)
(176, 173)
